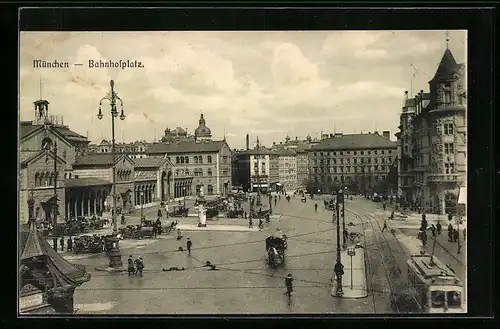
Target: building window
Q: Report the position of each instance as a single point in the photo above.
(186, 160)
(390, 151)
(209, 159)
(187, 171)
(448, 128)
(449, 168)
(448, 148)
(177, 160)
(210, 189)
(209, 172)
(369, 152)
(447, 96)
(182, 159)
(334, 153)
(177, 172)
(46, 143)
(355, 152)
(382, 152)
(224, 159)
(341, 153)
(375, 160)
(374, 152)
(195, 159)
(200, 159)
(355, 161)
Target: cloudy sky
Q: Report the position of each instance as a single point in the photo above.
(268, 84)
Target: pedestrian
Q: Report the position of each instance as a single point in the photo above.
(384, 205)
(275, 200)
(179, 234)
(261, 224)
(450, 234)
(316, 207)
(245, 214)
(123, 219)
(464, 231)
(385, 226)
(450, 217)
(250, 223)
(392, 215)
(438, 228)
(130, 268)
(159, 213)
(455, 235)
(166, 209)
(433, 230)
(189, 244)
(61, 242)
(279, 197)
(70, 244)
(424, 238)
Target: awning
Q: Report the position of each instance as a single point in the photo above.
(260, 185)
(462, 195)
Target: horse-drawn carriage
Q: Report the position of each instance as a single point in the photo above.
(275, 248)
(235, 213)
(179, 211)
(330, 205)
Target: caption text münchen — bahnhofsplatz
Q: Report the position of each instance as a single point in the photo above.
(123, 64)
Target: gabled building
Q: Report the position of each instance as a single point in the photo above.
(89, 189)
(154, 181)
(434, 144)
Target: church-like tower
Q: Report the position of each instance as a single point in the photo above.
(202, 132)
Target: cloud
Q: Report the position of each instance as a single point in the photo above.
(263, 83)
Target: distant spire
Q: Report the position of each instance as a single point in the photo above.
(447, 35)
(224, 133)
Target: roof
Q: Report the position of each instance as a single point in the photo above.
(260, 151)
(354, 142)
(447, 67)
(89, 181)
(26, 128)
(33, 244)
(149, 162)
(98, 159)
(70, 134)
(184, 147)
(26, 157)
(286, 152)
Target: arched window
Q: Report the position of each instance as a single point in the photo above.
(177, 160)
(69, 175)
(37, 179)
(51, 179)
(209, 172)
(195, 159)
(46, 143)
(209, 159)
(200, 158)
(186, 159)
(182, 159)
(177, 172)
(210, 189)
(187, 171)
(46, 178)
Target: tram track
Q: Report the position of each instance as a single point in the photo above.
(392, 270)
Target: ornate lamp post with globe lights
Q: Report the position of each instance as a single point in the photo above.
(114, 254)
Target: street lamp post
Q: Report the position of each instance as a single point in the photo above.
(114, 254)
(344, 242)
(184, 193)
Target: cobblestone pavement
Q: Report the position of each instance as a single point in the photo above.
(243, 282)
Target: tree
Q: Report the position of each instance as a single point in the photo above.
(311, 185)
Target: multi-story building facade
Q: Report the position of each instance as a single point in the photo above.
(438, 140)
(302, 160)
(256, 169)
(133, 150)
(287, 173)
(359, 162)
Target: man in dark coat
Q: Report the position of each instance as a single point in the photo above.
(70, 244)
(189, 244)
(438, 228)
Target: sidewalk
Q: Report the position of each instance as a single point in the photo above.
(354, 278)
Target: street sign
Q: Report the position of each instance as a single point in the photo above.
(351, 252)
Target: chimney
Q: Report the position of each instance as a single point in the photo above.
(386, 134)
(248, 142)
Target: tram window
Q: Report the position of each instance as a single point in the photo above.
(453, 298)
(437, 298)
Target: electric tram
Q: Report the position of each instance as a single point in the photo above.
(435, 286)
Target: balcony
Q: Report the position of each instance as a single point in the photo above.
(445, 178)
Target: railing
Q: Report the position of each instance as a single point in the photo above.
(452, 178)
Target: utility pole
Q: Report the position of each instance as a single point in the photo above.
(344, 242)
(339, 268)
(259, 203)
